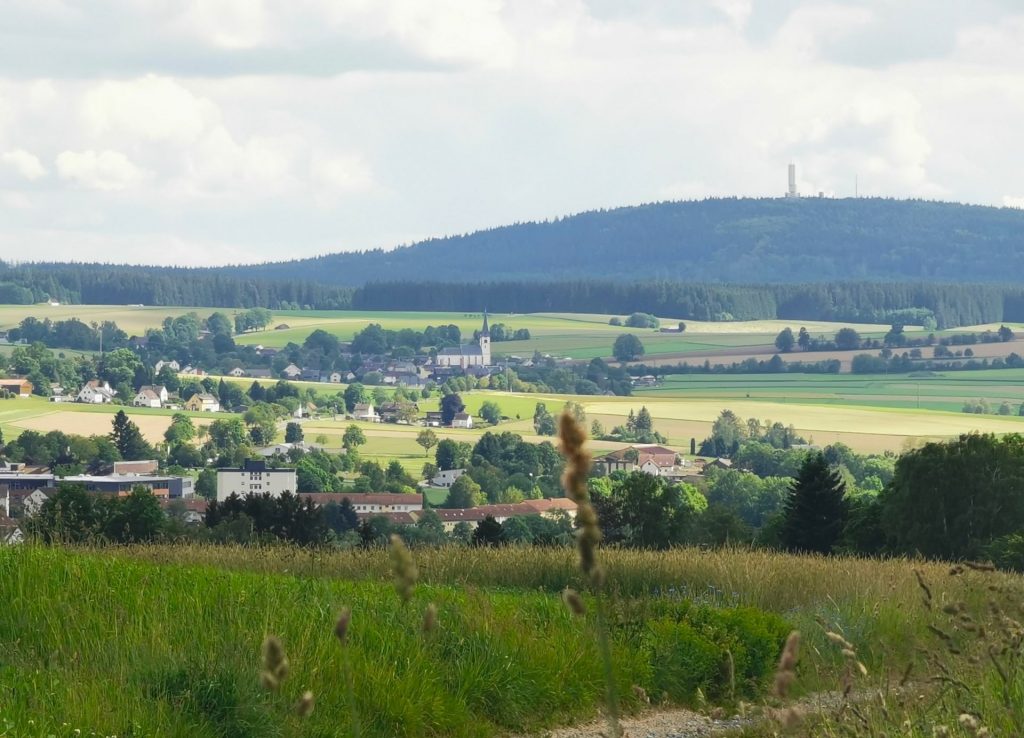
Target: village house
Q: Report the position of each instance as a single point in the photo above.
(201, 402)
(155, 390)
(433, 418)
(172, 364)
(334, 377)
(446, 477)
(365, 411)
(291, 372)
(17, 386)
(462, 420)
(146, 398)
(237, 372)
(10, 532)
(96, 392)
(655, 460)
(259, 373)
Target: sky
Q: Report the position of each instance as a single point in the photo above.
(203, 132)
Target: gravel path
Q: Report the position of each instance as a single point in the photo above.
(681, 723)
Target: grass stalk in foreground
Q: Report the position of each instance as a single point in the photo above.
(578, 463)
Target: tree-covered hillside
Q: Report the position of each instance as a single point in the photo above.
(722, 240)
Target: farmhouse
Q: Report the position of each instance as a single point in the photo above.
(16, 386)
(655, 460)
(464, 357)
(254, 478)
(237, 372)
(291, 372)
(202, 402)
(365, 411)
(146, 398)
(96, 392)
(462, 420)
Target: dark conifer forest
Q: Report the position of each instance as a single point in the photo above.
(852, 259)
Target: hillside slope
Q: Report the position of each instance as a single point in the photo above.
(723, 240)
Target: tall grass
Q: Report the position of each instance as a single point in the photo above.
(110, 644)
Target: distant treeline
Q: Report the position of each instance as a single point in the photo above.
(948, 305)
(105, 284)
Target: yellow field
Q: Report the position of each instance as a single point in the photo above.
(99, 424)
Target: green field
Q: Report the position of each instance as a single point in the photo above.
(869, 413)
(579, 336)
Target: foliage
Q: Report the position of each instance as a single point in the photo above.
(627, 347)
(815, 511)
(951, 500)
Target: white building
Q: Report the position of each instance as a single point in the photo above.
(467, 356)
(146, 398)
(202, 402)
(446, 477)
(365, 411)
(462, 420)
(96, 392)
(161, 364)
(255, 478)
(292, 372)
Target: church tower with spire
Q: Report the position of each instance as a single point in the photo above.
(485, 342)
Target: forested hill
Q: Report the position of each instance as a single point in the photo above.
(722, 240)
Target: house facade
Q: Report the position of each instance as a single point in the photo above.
(202, 402)
(96, 392)
(364, 411)
(253, 477)
(462, 420)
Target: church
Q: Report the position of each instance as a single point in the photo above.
(467, 356)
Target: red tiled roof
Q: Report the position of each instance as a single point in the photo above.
(360, 498)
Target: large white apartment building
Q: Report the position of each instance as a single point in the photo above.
(255, 478)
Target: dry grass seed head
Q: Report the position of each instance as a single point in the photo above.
(430, 618)
(403, 568)
(275, 663)
(341, 627)
(578, 462)
(304, 707)
(574, 602)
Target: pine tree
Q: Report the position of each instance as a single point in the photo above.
(815, 511)
(128, 439)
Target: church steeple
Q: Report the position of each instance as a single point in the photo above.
(485, 342)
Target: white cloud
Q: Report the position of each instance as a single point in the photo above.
(341, 174)
(241, 125)
(105, 170)
(24, 163)
(152, 108)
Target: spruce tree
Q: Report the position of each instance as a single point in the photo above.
(815, 511)
(128, 439)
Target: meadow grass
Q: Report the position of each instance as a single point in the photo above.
(108, 643)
